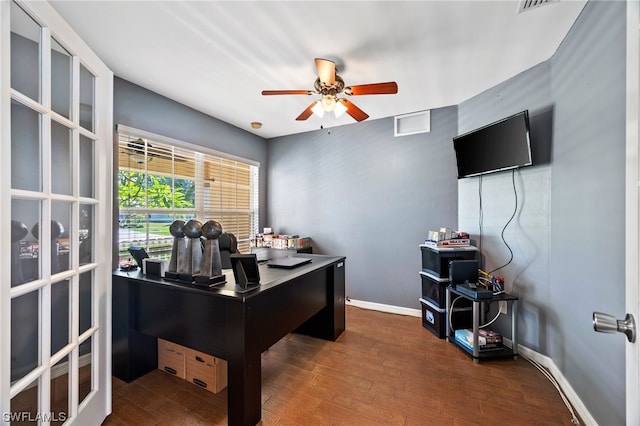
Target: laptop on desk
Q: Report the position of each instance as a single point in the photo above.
(288, 262)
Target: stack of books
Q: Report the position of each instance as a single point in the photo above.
(454, 242)
(488, 340)
(447, 237)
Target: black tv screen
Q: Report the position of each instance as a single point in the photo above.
(502, 145)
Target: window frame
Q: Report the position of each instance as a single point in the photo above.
(199, 211)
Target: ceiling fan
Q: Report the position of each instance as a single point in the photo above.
(329, 85)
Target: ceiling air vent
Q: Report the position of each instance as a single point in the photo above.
(525, 5)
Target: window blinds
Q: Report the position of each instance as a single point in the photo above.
(157, 178)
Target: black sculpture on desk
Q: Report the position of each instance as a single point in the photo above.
(178, 248)
(211, 266)
(18, 231)
(56, 231)
(189, 265)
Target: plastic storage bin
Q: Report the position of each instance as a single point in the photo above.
(434, 318)
(435, 261)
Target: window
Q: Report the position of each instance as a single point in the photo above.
(161, 180)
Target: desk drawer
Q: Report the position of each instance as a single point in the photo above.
(206, 371)
(172, 358)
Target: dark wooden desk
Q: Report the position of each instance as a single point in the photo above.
(234, 326)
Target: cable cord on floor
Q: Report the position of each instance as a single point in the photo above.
(554, 382)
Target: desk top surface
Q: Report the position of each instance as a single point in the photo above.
(269, 278)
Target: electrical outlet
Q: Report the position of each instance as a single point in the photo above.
(503, 307)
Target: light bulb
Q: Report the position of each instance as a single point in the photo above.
(317, 109)
(328, 102)
(340, 109)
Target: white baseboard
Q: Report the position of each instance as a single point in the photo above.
(571, 395)
(525, 352)
(400, 310)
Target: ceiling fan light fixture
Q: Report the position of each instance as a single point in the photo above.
(329, 85)
(339, 109)
(328, 103)
(318, 109)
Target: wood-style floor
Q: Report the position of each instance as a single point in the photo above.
(384, 369)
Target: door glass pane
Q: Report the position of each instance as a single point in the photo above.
(85, 382)
(25, 245)
(59, 315)
(25, 53)
(61, 162)
(26, 162)
(24, 406)
(60, 236)
(86, 98)
(60, 79)
(86, 166)
(60, 392)
(85, 301)
(24, 334)
(85, 234)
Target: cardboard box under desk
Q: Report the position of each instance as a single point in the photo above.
(206, 371)
(172, 358)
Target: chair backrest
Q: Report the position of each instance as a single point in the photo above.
(228, 244)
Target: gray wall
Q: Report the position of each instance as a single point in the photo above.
(137, 107)
(358, 191)
(587, 268)
(568, 236)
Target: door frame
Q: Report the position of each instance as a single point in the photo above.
(97, 405)
(632, 218)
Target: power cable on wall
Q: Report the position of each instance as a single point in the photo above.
(540, 367)
(515, 210)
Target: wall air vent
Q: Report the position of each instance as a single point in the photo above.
(525, 5)
(410, 124)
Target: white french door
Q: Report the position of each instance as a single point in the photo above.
(55, 221)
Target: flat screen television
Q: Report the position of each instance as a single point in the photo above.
(502, 145)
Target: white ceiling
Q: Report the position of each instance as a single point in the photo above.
(218, 56)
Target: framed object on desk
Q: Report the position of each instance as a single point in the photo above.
(139, 254)
(245, 270)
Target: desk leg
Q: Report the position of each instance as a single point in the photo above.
(244, 405)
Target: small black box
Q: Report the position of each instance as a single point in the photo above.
(463, 271)
(153, 267)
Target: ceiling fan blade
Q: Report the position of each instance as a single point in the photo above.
(288, 92)
(326, 71)
(306, 113)
(388, 88)
(354, 111)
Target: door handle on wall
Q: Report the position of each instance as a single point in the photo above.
(605, 323)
